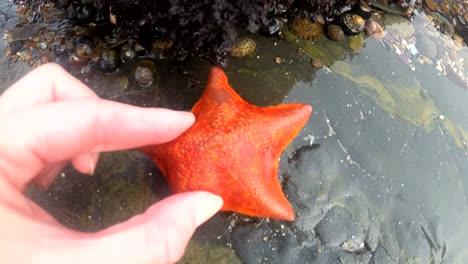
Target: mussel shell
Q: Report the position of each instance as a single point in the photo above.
(114, 36)
(75, 63)
(101, 15)
(69, 46)
(271, 28)
(71, 12)
(59, 48)
(16, 46)
(109, 61)
(36, 18)
(62, 61)
(140, 50)
(127, 53)
(62, 3)
(364, 11)
(83, 51)
(85, 13)
(85, 40)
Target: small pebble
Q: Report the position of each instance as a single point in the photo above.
(316, 63)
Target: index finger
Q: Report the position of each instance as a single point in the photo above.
(56, 132)
(47, 83)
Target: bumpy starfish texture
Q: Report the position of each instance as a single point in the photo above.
(233, 150)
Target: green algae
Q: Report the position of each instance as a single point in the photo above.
(458, 134)
(367, 84)
(402, 100)
(356, 43)
(406, 101)
(324, 49)
(413, 107)
(197, 253)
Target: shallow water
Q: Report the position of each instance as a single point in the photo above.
(378, 174)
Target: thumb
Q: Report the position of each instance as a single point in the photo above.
(160, 235)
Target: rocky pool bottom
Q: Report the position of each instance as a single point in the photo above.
(378, 175)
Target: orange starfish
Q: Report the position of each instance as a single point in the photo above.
(233, 150)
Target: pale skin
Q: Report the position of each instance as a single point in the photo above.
(48, 119)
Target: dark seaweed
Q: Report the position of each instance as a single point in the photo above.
(204, 28)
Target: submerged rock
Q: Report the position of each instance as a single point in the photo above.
(335, 32)
(374, 29)
(243, 47)
(426, 46)
(398, 25)
(305, 29)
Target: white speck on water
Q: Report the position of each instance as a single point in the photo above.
(310, 138)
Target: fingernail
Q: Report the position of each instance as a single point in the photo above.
(92, 166)
(207, 206)
(189, 115)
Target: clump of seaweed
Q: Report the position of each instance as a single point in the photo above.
(205, 29)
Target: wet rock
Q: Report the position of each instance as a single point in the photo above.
(328, 52)
(398, 25)
(338, 230)
(374, 29)
(335, 32)
(445, 9)
(458, 39)
(426, 46)
(316, 63)
(243, 47)
(205, 253)
(431, 4)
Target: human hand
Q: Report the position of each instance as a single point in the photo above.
(49, 118)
